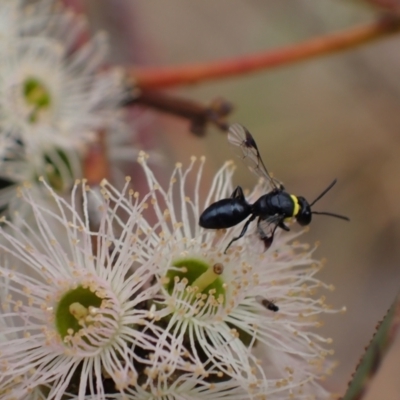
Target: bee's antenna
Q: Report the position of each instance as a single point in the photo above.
(331, 215)
(328, 213)
(324, 192)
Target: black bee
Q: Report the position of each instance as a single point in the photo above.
(272, 209)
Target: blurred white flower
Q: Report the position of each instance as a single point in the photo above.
(28, 18)
(9, 24)
(60, 169)
(52, 98)
(56, 94)
(81, 320)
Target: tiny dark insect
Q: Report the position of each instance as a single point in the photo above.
(270, 305)
(272, 209)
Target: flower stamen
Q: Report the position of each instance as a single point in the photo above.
(208, 277)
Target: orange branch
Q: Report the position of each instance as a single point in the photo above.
(96, 165)
(192, 73)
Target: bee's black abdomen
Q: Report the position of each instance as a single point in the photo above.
(224, 213)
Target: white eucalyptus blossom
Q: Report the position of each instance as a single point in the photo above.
(184, 386)
(81, 320)
(220, 306)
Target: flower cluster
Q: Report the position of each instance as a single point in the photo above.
(148, 306)
(55, 94)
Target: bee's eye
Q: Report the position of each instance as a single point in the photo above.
(304, 215)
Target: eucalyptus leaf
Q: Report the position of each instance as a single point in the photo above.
(375, 352)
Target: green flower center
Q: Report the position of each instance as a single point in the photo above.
(53, 174)
(38, 99)
(73, 310)
(37, 96)
(199, 275)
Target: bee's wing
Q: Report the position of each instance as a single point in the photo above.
(266, 227)
(239, 136)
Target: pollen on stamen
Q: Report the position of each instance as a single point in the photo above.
(218, 268)
(142, 154)
(234, 333)
(151, 313)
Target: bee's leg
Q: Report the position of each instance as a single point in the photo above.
(282, 225)
(246, 225)
(237, 193)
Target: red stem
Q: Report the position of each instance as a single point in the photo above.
(192, 73)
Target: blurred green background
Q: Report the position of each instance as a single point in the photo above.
(330, 117)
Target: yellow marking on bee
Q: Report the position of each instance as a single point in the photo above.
(296, 205)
